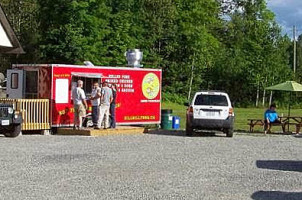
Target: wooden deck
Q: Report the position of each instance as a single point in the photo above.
(120, 130)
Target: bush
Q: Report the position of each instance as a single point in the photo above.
(174, 98)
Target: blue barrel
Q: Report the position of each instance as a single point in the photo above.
(176, 122)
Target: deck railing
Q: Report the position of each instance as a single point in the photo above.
(35, 112)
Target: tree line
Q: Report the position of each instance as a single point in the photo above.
(230, 45)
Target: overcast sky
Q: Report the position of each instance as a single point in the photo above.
(288, 13)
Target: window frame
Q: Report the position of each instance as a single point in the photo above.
(13, 81)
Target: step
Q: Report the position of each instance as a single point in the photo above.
(120, 130)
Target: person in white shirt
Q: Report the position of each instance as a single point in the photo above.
(106, 99)
(95, 102)
(79, 104)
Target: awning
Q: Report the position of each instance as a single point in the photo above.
(290, 86)
(87, 75)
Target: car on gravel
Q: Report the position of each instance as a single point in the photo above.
(210, 110)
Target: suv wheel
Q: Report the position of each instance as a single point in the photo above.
(229, 132)
(189, 130)
(14, 131)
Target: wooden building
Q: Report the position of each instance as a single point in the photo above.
(9, 43)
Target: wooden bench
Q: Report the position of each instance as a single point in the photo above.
(293, 120)
(298, 126)
(255, 122)
(260, 122)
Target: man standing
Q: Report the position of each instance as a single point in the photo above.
(79, 104)
(95, 102)
(106, 98)
(112, 106)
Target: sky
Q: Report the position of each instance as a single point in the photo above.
(288, 13)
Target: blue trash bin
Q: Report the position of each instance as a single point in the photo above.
(176, 122)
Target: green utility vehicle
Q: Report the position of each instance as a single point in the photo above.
(10, 121)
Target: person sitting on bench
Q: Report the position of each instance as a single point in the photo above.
(270, 118)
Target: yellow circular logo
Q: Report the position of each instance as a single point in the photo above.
(150, 86)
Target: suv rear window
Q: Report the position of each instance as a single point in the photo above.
(211, 100)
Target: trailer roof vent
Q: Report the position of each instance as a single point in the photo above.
(134, 57)
(88, 63)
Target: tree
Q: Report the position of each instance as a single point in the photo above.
(253, 56)
(73, 30)
(196, 46)
(230, 45)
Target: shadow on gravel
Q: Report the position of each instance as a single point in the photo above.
(283, 165)
(182, 133)
(298, 136)
(262, 132)
(276, 195)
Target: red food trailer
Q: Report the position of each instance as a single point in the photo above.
(138, 96)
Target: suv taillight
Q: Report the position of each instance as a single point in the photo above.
(231, 111)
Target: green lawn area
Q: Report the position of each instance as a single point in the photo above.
(241, 115)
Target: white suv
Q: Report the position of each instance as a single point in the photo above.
(210, 110)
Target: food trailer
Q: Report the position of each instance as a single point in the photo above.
(138, 96)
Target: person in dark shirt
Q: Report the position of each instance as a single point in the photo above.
(271, 117)
(112, 106)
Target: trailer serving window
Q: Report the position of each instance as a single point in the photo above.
(88, 80)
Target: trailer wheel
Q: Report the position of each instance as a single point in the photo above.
(14, 131)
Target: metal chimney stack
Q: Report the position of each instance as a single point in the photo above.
(134, 57)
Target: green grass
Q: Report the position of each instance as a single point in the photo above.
(241, 115)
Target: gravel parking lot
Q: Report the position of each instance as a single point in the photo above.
(161, 165)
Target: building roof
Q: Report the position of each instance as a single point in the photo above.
(9, 43)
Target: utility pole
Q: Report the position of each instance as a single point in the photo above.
(295, 49)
